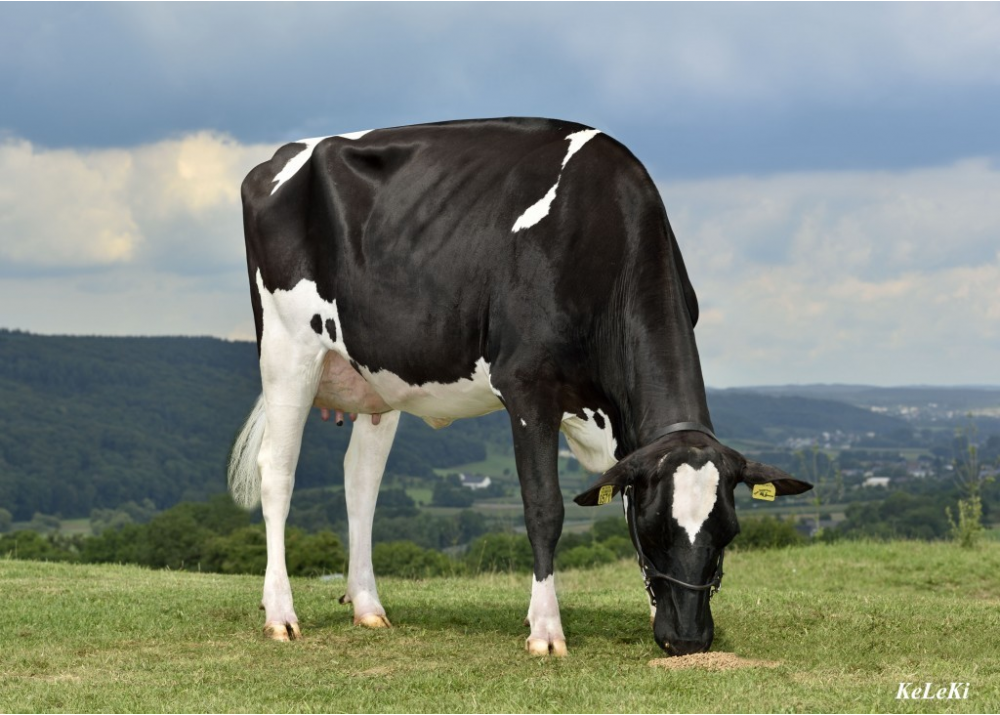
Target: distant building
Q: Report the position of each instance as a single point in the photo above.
(475, 482)
(876, 482)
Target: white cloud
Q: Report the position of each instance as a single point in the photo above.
(878, 277)
(875, 277)
(65, 208)
(174, 204)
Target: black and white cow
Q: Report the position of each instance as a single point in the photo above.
(450, 270)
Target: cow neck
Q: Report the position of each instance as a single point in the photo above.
(667, 387)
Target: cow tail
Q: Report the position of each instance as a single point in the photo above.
(244, 475)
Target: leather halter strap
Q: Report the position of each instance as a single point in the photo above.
(685, 427)
(649, 572)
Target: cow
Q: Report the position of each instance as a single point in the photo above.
(454, 269)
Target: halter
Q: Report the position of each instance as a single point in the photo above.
(685, 427)
(649, 572)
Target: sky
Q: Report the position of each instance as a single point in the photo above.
(832, 171)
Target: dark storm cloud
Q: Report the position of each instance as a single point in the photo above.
(698, 91)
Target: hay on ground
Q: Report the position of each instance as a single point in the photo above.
(710, 661)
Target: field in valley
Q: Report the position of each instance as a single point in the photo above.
(845, 623)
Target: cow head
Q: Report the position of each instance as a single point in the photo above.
(678, 496)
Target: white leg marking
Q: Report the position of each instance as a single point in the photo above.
(695, 492)
(291, 362)
(289, 378)
(544, 619)
(364, 465)
(540, 209)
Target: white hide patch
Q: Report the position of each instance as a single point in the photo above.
(291, 311)
(540, 209)
(288, 316)
(593, 446)
(300, 159)
(695, 492)
(468, 397)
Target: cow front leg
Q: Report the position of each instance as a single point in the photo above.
(364, 465)
(536, 445)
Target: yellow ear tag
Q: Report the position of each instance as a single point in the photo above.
(604, 496)
(764, 491)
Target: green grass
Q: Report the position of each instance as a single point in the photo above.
(848, 623)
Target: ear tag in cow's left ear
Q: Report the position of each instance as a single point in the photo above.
(764, 491)
(607, 492)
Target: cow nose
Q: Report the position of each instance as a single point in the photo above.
(687, 647)
(676, 646)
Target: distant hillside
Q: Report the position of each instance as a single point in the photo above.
(748, 415)
(961, 398)
(90, 422)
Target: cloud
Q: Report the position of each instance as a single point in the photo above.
(879, 277)
(769, 53)
(64, 208)
(657, 74)
(172, 205)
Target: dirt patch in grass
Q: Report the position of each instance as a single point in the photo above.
(710, 661)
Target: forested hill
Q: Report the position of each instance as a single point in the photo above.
(90, 422)
(95, 422)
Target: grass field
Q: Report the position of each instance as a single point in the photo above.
(846, 622)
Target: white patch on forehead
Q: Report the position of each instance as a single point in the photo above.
(695, 492)
(540, 209)
(300, 159)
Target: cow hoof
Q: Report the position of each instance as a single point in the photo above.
(372, 620)
(537, 646)
(282, 631)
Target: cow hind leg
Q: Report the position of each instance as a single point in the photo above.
(364, 465)
(290, 375)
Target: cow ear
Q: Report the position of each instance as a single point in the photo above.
(604, 489)
(755, 473)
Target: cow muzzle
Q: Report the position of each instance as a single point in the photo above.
(684, 627)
